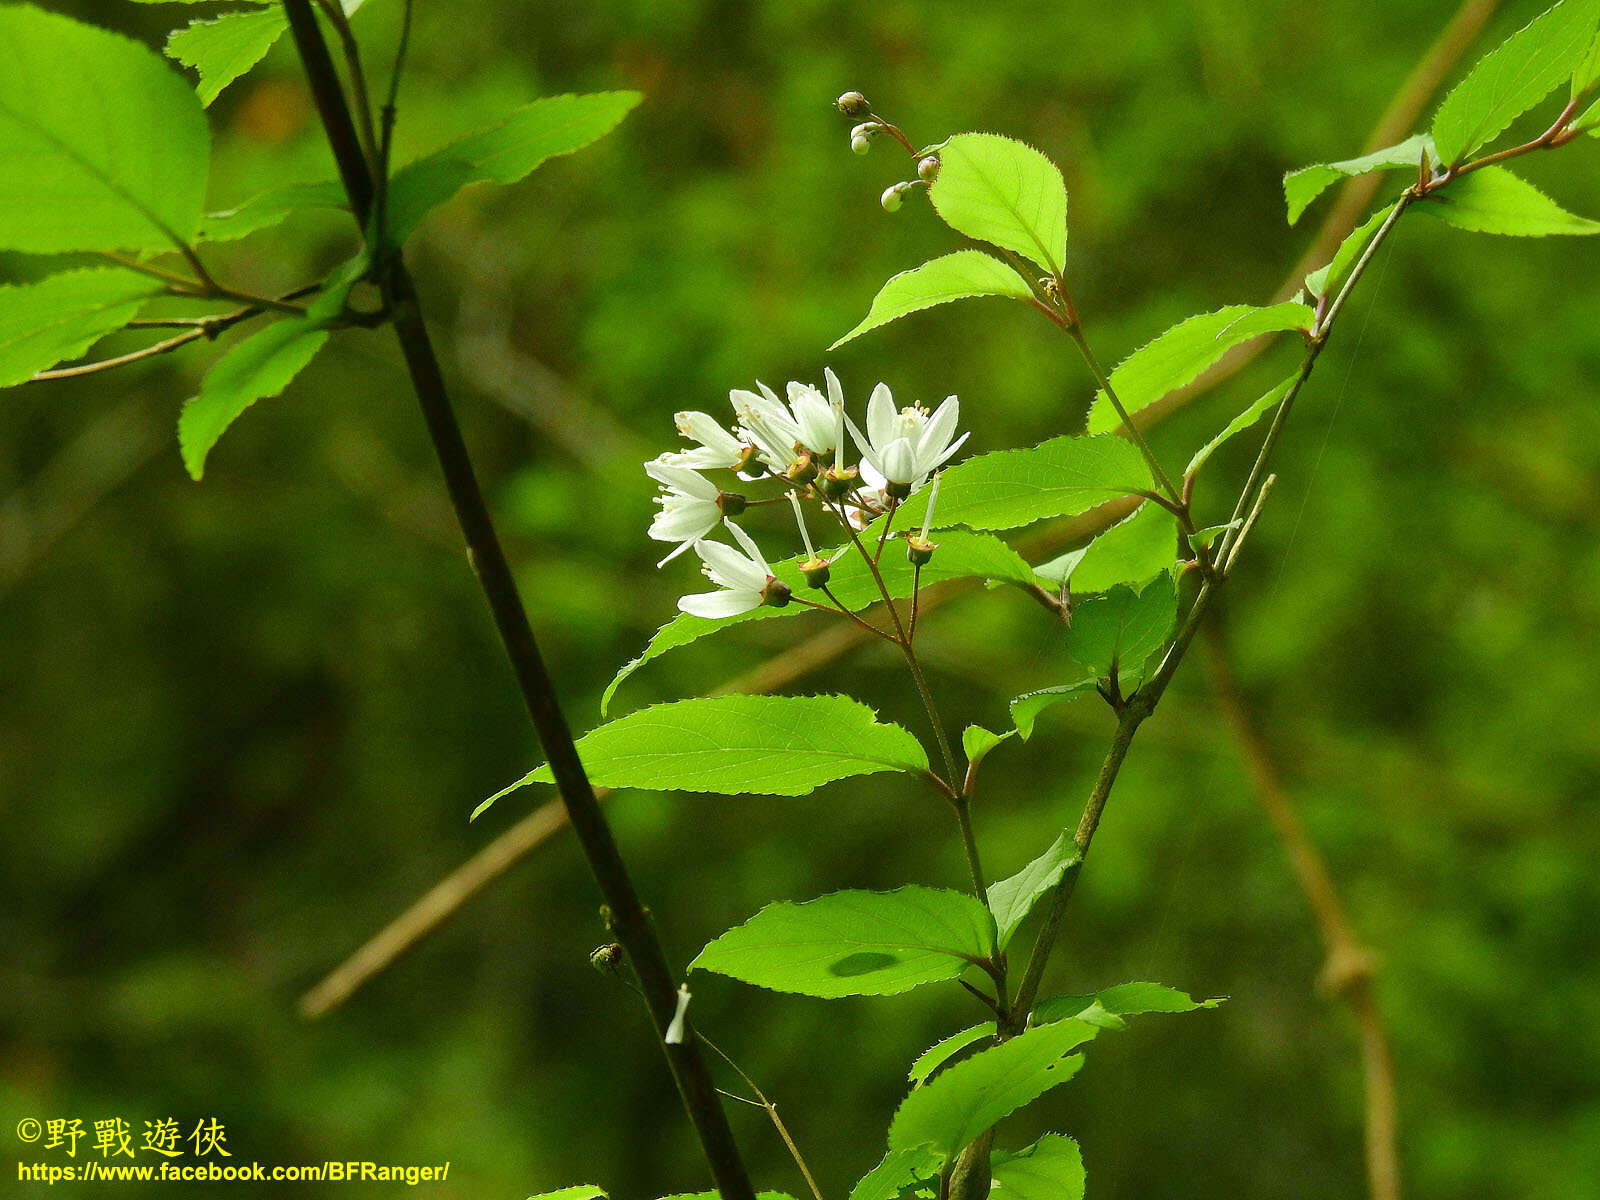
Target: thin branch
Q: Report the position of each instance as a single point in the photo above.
(761, 1101)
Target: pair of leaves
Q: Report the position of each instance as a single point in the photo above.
(733, 745)
(1050, 1169)
(992, 189)
(1302, 186)
(856, 943)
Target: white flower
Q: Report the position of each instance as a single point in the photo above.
(744, 578)
(820, 419)
(767, 423)
(689, 506)
(905, 446)
(717, 449)
(674, 1035)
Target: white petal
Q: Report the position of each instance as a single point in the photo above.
(816, 419)
(685, 522)
(714, 605)
(900, 461)
(682, 546)
(751, 549)
(939, 429)
(869, 456)
(727, 567)
(835, 392)
(681, 479)
(881, 417)
(945, 454)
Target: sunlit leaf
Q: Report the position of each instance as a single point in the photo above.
(1121, 1000)
(103, 146)
(1026, 708)
(223, 48)
(898, 1173)
(1179, 355)
(61, 316)
(958, 276)
(270, 208)
(976, 742)
(1239, 424)
(767, 745)
(1050, 1169)
(1001, 191)
(1326, 279)
(942, 1051)
(855, 943)
(1493, 200)
(1303, 186)
(1134, 550)
(1011, 900)
(1510, 80)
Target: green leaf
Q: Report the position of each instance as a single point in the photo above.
(223, 48)
(734, 745)
(260, 366)
(1059, 478)
(976, 742)
(1303, 186)
(1511, 79)
(960, 555)
(61, 316)
(1050, 1169)
(899, 1171)
(1590, 121)
(958, 276)
(1239, 424)
(269, 208)
(1011, 900)
(942, 1051)
(718, 1196)
(1326, 280)
(1134, 550)
(998, 190)
(1122, 1000)
(855, 943)
(102, 145)
(504, 153)
(1026, 708)
(1587, 72)
(1122, 628)
(1494, 200)
(1180, 354)
(952, 1109)
(582, 1191)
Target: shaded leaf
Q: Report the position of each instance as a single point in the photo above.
(733, 745)
(102, 145)
(1011, 900)
(942, 1051)
(1179, 355)
(1026, 708)
(1121, 1000)
(1239, 424)
(855, 943)
(269, 208)
(955, 1107)
(223, 48)
(899, 1171)
(582, 1191)
(1134, 551)
(505, 153)
(1050, 1169)
(1004, 192)
(61, 316)
(1303, 186)
(1119, 630)
(1511, 79)
(959, 276)
(1493, 200)
(1326, 280)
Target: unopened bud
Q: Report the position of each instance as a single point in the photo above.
(852, 104)
(919, 550)
(927, 168)
(834, 483)
(891, 199)
(776, 594)
(816, 572)
(732, 504)
(605, 958)
(860, 143)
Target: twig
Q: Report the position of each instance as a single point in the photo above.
(761, 1101)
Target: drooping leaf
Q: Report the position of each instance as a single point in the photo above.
(1179, 355)
(855, 943)
(505, 153)
(269, 208)
(61, 316)
(1122, 1000)
(1511, 79)
(1493, 200)
(1050, 1169)
(961, 555)
(223, 48)
(102, 145)
(955, 1107)
(1325, 281)
(898, 1175)
(1119, 630)
(1012, 899)
(1239, 424)
(734, 745)
(976, 742)
(1026, 708)
(958, 276)
(1059, 478)
(1303, 186)
(1134, 551)
(1004, 192)
(942, 1051)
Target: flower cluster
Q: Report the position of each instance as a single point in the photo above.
(798, 443)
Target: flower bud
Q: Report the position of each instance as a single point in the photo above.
(927, 168)
(816, 572)
(776, 594)
(891, 199)
(605, 958)
(732, 504)
(919, 550)
(860, 143)
(852, 104)
(834, 483)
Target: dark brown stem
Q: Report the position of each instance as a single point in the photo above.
(630, 920)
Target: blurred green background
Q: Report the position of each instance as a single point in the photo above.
(242, 722)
